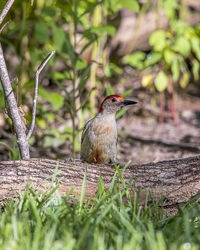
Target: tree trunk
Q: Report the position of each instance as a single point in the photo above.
(176, 180)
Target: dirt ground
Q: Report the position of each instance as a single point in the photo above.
(142, 138)
(147, 140)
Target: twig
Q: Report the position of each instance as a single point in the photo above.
(3, 27)
(41, 67)
(185, 146)
(5, 10)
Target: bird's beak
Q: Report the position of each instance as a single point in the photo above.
(126, 103)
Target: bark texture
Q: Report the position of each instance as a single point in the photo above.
(13, 109)
(176, 180)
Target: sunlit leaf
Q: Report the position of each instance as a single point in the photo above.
(196, 46)
(130, 4)
(184, 80)
(175, 68)
(41, 123)
(169, 56)
(80, 64)
(108, 29)
(152, 59)
(135, 60)
(161, 81)
(195, 69)
(56, 101)
(158, 40)
(182, 46)
(147, 80)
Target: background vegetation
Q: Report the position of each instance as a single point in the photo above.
(84, 66)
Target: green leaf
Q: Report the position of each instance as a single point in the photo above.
(41, 32)
(111, 69)
(169, 56)
(120, 113)
(110, 30)
(158, 40)
(130, 4)
(182, 46)
(152, 59)
(49, 11)
(59, 37)
(126, 93)
(41, 123)
(70, 50)
(135, 60)
(50, 117)
(161, 81)
(175, 68)
(35, 55)
(109, 90)
(195, 69)
(69, 99)
(57, 75)
(80, 64)
(90, 9)
(184, 80)
(42, 92)
(196, 46)
(56, 101)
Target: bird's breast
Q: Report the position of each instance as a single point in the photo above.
(104, 129)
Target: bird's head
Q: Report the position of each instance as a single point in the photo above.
(113, 103)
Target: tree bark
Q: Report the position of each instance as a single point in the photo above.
(13, 109)
(175, 180)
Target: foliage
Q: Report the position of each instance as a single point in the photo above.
(175, 53)
(49, 221)
(77, 30)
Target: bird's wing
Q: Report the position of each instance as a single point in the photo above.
(87, 125)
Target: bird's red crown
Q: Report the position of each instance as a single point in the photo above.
(119, 98)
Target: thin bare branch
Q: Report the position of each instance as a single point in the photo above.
(5, 10)
(3, 27)
(13, 109)
(41, 67)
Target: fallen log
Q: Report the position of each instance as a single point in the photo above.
(176, 180)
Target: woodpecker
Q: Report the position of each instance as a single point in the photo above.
(99, 136)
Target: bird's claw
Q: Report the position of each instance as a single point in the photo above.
(72, 160)
(116, 163)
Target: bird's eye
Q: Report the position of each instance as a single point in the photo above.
(114, 100)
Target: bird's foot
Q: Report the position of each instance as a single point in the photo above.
(116, 163)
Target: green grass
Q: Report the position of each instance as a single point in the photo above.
(110, 221)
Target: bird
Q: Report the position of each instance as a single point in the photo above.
(99, 135)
